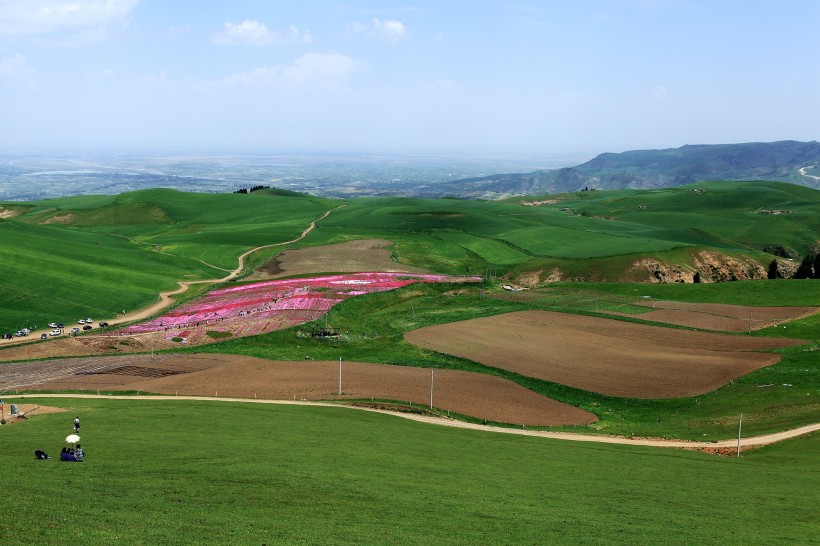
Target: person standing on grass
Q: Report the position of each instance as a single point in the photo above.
(76, 424)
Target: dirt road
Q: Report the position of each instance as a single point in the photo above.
(166, 299)
(748, 442)
(803, 172)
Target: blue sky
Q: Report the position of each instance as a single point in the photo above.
(450, 76)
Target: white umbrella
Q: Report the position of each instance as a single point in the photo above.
(72, 438)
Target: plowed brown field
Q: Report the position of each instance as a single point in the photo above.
(478, 395)
(351, 257)
(722, 317)
(607, 356)
(83, 346)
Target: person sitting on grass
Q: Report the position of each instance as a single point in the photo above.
(40, 454)
(79, 454)
(66, 455)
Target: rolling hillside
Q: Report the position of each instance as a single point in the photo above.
(786, 161)
(99, 255)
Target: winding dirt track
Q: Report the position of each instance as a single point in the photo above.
(749, 442)
(166, 299)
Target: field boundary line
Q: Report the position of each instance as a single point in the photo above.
(750, 441)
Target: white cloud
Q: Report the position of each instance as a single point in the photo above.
(314, 71)
(23, 17)
(388, 30)
(256, 33)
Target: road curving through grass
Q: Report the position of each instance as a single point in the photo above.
(745, 443)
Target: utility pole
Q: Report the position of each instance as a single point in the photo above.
(739, 428)
(340, 376)
(432, 380)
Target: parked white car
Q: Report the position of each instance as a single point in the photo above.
(75, 330)
(81, 321)
(52, 324)
(55, 332)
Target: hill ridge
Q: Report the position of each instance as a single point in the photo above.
(781, 161)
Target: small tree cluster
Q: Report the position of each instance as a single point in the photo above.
(809, 268)
(253, 189)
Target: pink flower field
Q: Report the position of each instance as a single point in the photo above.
(262, 307)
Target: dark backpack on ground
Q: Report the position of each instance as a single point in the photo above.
(40, 454)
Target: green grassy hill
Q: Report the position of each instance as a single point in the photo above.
(175, 472)
(587, 235)
(226, 473)
(98, 255)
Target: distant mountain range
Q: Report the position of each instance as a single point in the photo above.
(784, 161)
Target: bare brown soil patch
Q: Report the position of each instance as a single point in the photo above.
(59, 219)
(82, 346)
(722, 317)
(24, 411)
(350, 257)
(650, 270)
(717, 267)
(477, 395)
(607, 356)
(8, 213)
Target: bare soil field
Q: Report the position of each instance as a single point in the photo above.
(606, 356)
(478, 395)
(82, 346)
(721, 317)
(351, 257)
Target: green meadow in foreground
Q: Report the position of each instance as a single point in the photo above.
(182, 472)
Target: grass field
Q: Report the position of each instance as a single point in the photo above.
(50, 278)
(112, 253)
(139, 243)
(231, 473)
(226, 473)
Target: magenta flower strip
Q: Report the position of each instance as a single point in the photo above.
(266, 306)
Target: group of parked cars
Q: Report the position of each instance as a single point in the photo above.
(56, 329)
